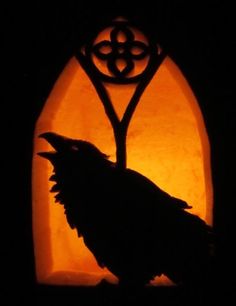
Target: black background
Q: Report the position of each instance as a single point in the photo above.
(39, 39)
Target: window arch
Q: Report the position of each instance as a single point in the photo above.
(166, 141)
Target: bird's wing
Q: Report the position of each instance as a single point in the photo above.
(147, 187)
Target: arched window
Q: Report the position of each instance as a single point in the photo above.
(166, 141)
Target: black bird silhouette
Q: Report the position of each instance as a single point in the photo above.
(132, 227)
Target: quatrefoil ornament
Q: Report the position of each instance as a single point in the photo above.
(128, 51)
(123, 52)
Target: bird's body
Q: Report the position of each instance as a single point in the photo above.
(132, 227)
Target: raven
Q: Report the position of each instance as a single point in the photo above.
(132, 227)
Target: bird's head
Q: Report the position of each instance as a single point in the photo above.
(70, 148)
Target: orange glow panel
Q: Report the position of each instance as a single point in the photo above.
(167, 142)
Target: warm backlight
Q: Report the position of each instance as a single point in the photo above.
(167, 142)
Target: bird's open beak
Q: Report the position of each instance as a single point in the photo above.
(58, 142)
(55, 140)
(48, 155)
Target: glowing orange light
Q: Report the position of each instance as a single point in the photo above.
(167, 142)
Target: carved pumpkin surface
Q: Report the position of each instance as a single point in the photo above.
(167, 142)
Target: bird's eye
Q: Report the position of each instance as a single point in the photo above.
(75, 148)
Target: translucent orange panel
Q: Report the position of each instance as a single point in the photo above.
(167, 142)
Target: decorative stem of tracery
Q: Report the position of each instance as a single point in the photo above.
(121, 50)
